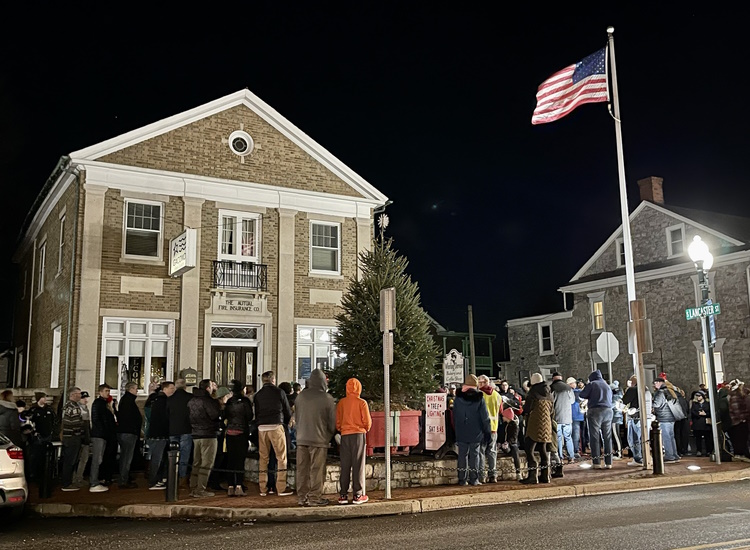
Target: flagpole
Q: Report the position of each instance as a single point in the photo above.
(628, 246)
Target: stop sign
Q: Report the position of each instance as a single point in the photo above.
(607, 346)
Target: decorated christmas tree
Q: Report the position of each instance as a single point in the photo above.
(360, 339)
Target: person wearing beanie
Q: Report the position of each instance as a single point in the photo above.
(472, 424)
(599, 396)
(488, 454)
(700, 413)
(238, 413)
(665, 406)
(540, 413)
(564, 399)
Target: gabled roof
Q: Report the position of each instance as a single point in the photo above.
(258, 106)
(728, 228)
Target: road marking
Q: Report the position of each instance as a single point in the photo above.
(725, 544)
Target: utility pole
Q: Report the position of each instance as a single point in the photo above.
(472, 355)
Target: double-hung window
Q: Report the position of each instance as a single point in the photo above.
(546, 344)
(143, 229)
(676, 240)
(61, 247)
(620, 251)
(325, 247)
(239, 236)
(42, 259)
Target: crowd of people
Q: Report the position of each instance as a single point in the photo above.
(564, 420)
(214, 429)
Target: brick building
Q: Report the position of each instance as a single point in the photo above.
(595, 300)
(278, 224)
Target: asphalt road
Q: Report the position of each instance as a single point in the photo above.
(713, 515)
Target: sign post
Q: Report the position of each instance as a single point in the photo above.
(387, 324)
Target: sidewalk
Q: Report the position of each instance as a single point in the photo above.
(142, 503)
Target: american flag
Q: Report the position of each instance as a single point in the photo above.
(582, 82)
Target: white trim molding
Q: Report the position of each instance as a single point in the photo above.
(538, 318)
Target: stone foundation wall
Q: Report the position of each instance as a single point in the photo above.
(405, 473)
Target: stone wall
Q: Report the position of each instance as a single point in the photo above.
(413, 471)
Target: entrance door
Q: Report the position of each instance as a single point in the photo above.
(234, 363)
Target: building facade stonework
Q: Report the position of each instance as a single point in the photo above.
(596, 301)
(279, 224)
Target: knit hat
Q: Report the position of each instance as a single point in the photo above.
(570, 380)
(471, 380)
(663, 375)
(536, 378)
(222, 391)
(616, 385)
(38, 395)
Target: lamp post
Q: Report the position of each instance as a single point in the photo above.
(703, 259)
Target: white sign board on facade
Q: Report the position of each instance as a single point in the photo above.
(182, 252)
(434, 422)
(453, 368)
(607, 346)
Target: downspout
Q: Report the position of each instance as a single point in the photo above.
(565, 301)
(32, 293)
(80, 177)
(748, 287)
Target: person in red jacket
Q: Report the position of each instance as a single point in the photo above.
(353, 421)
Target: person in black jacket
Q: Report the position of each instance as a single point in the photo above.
(701, 416)
(158, 435)
(129, 423)
(239, 414)
(180, 430)
(103, 429)
(272, 413)
(204, 419)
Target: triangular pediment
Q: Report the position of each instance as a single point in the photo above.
(196, 142)
(649, 225)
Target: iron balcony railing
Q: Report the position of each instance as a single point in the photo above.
(243, 275)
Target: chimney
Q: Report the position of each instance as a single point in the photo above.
(651, 189)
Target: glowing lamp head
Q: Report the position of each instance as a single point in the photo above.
(698, 252)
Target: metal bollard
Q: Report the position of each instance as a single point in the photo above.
(173, 463)
(45, 483)
(656, 448)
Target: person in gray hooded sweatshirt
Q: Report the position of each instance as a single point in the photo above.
(599, 394)
(564, 398)
(315, 413)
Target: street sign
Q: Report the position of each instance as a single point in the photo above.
(702, 311)
(453, 368)
(607, 347)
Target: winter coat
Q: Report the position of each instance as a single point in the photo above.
(630, 399)
(315, 411)
(43, 419)
(699, 420)
(540, 411)
(238, 413)
(662, 411)
(494, 405)
(103, 425)
(205, 412)
(739, 405)
(564, 399)
(352, 412)
(617, 416)
(129, 418)
(272, 406)
(179, 414)
(10, 425)
(723, 408)
(470, 417)
(158, 427)
(577, 415)
(597, 391)
(72, 420)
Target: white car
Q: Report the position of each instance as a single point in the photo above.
(13, 488)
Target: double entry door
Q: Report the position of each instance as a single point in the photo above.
(234, 363)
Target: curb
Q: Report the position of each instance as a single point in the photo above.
(387, 508)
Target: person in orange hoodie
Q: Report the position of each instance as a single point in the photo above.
(353, 421)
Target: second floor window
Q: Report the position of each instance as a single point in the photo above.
(61, 248)
(143, 229)
(676, 240)
(546, 345)
(42, 261)
(239, 236)
(325, 247)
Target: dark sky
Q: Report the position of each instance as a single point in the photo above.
(431, 105)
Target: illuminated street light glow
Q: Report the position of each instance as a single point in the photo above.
(698, 252)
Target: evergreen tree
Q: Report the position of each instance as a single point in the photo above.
(415, 354)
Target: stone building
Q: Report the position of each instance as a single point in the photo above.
(595, 300)
(275, 224)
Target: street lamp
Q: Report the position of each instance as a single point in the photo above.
(703, 260)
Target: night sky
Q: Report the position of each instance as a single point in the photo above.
(431, 105)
